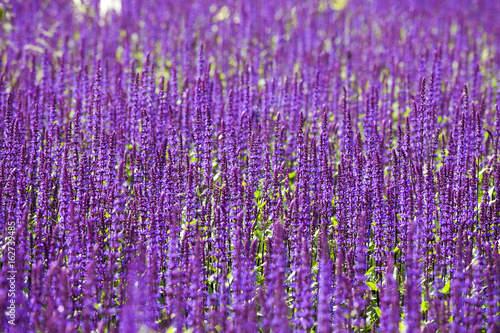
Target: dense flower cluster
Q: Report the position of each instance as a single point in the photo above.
(250, 165)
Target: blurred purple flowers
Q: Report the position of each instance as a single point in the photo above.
(246, 166)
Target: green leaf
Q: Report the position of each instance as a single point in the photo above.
(372, 285)
(316, 234)
(258, 234)
(425, 306)
(396, 250)
(379, 313)
(483, 171)
(370, 270)
(290, 277)
(446, 288)
(217, 176)
(291, 175)
(257, 194)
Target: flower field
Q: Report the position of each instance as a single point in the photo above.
(250, 166)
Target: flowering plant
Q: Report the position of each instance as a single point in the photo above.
(249, 166)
